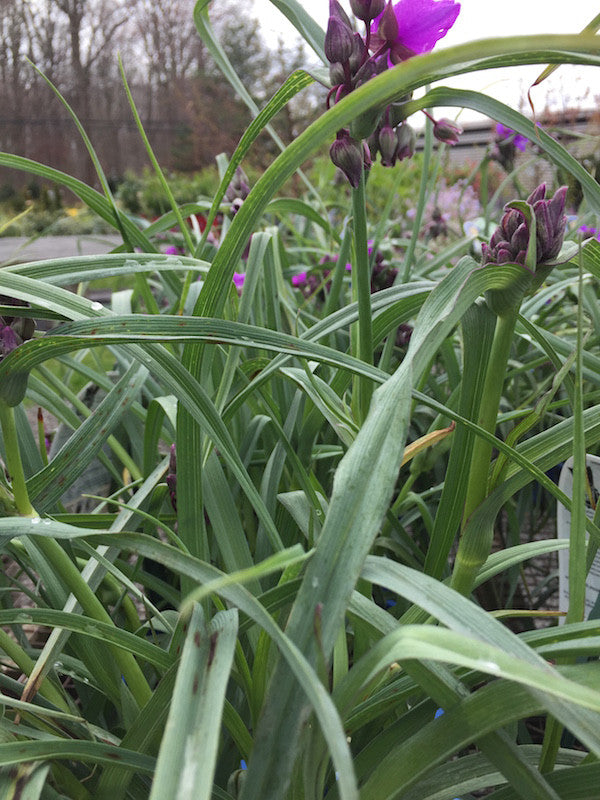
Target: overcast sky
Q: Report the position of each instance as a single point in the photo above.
(569, 86)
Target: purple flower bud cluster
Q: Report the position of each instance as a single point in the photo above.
(393, 33)
(392, 143)
(510, 241)
(13, 330)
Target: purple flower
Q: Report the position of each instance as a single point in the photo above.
(299, 279)
(173, 250)
(238, 279)
(519, 141)
(412, 26)
(370, 244)
(588, 231)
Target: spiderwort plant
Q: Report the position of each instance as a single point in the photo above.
(393, 33)
(530, 234)
(286, 501)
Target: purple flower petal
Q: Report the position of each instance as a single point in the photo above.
(587, 230)
(422, 23)
(299, 279)
(520, 142)
(238, 279)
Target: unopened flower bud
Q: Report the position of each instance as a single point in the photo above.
(339, 38)
(339, 42)
(388, 146)
(510, 241)
(388, 25)
(538, 194)
(446, 131)
(366, 10)
(348, 155)
(520, 239)
(550, 225)
(359, 53)
(373, 144)
(367, 162)
(406, 142)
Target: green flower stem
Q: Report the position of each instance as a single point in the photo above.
(18, 656)
(362, 340)
(14, 465)
(474, 548)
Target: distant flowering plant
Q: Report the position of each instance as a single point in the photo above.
(382, 274)
(588, 232)
(450, 207)
(173, 250)
(505, 146)
(507, 134)
(299, 279)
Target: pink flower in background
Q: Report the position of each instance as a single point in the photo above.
(299, 279)
(370, 244)
(588, 231)
(519, 141)
(412, 26)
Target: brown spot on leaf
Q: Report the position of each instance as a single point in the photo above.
(213, 645)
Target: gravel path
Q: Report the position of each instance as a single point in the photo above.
(19, 249)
